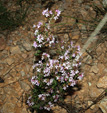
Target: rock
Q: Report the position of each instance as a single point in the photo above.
(22, 73)
(10, 91)
(94, 69)
(103, 105)
(75, 37)
(9, 61)
(95, 92)
(101, 67)
(52, 52)
(99, 50)
(15, 50)
(24, 55)
(102, 83)
(90, 103)
(24, 85)
(2, 42)
(28, 68)
(27, 46)
(80, 1)
(82, 26)
(8, 108)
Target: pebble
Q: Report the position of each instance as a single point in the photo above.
(22, 73)
(102, 83)
(24, 85)
(94, 69)
(27, 46)
(95, 92)
(9, 61)
(15, 50)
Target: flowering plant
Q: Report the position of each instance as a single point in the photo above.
(43, 34)
(53, 76)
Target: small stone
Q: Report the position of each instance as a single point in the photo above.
(94, 69)
(24, 85)
(103, 105)
(80, 1)
(95, 92)
(75, 37)
(9, 61)
(24, 55)
(101, 67)
(99, 50)
(90, 103)
(22, 73)
(52, 52)
(102, 83)
(27, 46)
(15, 50)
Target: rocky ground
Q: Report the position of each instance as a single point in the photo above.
(17, 57)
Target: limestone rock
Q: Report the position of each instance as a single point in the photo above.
(15, 50)
(24, 85)
(103, 105)
(27, 46)
(22, 73)
(95, 92)
(9, 61)
(102, 83)
(94, 69)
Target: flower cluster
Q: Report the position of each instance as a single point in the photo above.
(56, 74)
(53, 76)
(43, 35)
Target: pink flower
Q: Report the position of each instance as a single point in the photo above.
(35, 44)
(81, 76)
(50, 12)
(36, 32)
(39, 24)
(58, 12)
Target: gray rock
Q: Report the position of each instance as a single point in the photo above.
(27, 46)
(80, 1)
(24, 85)
(22, 73)
(103, 105)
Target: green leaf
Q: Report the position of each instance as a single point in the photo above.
(36, 54)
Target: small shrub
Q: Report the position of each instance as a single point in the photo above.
(52, 76)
